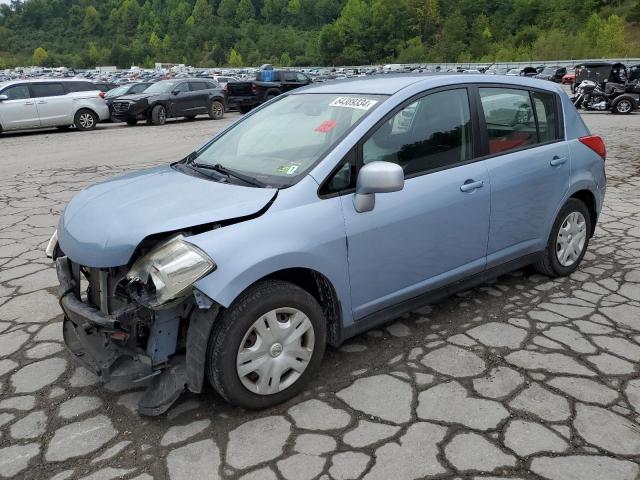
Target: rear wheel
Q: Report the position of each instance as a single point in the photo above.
(622, 107)
(568, 241)
(159, 115)
(216, 110)
(267, 345)
(85, 120)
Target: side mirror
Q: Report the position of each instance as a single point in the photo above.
(376, 177)
(175, 92)
(3, 98)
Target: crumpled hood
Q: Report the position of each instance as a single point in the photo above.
(104, 223)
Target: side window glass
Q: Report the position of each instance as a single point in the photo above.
(138, 88)
(342, 179)
(289, 77)
(547, 116)
(17, 92)
(431, 133)
(182, 87)
(509, 117)
(47, 89)
(301, 78)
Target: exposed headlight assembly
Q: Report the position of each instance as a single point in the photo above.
(169, 270)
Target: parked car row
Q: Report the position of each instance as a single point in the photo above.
(62, 103)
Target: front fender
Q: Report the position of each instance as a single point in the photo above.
(294, 233)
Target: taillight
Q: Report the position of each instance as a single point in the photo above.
(101, 95)
(595, 143)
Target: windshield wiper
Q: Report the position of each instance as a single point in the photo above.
(231, 173)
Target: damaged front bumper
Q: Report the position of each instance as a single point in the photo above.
(134, 344)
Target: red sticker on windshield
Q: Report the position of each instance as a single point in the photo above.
(326, 126)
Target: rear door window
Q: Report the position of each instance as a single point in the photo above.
(509, 118)
(195, 86)
(547, 116)
(47, 89)
(17, 92)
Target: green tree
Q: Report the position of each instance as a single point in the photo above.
(634, 13)
(202, 12)
(227, 9)
(91, 19)
(234, 59)
(40, 56)
(285, 60)
(154, 41)
(245, 11)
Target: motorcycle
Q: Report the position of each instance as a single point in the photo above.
(619, 98)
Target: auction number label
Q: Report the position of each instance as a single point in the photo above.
(353, 102)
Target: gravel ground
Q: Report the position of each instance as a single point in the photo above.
(522, 378)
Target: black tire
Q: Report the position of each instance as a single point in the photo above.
(216, 110)
(132, 122)
(85, 120)
(623, 106)
(244, 109)
(230, 329)
(550, 265)
(270, 96)
(159, 115)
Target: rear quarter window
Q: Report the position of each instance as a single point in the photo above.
(71, 87)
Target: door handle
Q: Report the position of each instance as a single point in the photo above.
(471, 185)
(557, 161)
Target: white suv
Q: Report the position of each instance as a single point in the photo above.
(27, 104)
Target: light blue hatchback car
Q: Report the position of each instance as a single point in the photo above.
(323, 213)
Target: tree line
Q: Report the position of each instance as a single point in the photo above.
(208, 33)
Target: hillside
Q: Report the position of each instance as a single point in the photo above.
(85, 33)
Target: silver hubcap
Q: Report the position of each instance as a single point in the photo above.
(162, 115)
(571, 239)
(624, 106)
(86, 120)
(275, 351)
(216, 109)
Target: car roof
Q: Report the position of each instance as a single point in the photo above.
(391, 84)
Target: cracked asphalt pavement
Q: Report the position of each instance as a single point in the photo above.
(523, 378)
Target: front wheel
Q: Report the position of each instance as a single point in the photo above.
(85, 120)
(216, 110)
(159, 115)
(568, 241)
(267, 345)
(622, 107)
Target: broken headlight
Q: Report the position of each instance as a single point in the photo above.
(169, 270)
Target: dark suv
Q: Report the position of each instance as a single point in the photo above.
(169, 99)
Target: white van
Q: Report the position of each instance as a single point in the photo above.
(28, 104)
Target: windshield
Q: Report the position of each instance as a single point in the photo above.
(550, 70)
(116, 91)
(281, 142)
(161, 87)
